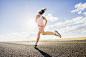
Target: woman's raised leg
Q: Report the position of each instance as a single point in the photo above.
(48, 33)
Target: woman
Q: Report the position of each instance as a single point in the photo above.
(41, 26)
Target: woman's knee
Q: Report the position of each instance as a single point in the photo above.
(43, 33)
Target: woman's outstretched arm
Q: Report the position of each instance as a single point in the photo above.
(45, 20)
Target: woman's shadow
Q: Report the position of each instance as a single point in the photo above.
(43, 53)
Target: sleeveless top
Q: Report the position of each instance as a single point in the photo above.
(40, 19)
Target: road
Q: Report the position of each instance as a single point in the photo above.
(44, 49)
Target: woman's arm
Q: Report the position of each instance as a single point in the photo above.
(36, 18)
(45, 20)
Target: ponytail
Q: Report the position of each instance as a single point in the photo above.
(42, 11)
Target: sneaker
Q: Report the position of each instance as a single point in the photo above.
(57, 34)
(35, 45)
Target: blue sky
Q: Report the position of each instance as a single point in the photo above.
(17, 19)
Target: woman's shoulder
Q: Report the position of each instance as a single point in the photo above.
(37, 16)
(43, 17)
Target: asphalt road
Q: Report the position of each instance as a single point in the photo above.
(44, 49)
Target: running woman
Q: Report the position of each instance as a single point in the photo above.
(41, 26)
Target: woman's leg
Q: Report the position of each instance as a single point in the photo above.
(38, 37)
(51, 33)
(46, 33)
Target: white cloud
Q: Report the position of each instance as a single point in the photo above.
(82, 20)
(51, 18)
(79, 8)
(1, 35)
(66, 23)
(84, 13)
(70, 26)
(79, 12)
(23, 36)
(73, 21)
(76, 29)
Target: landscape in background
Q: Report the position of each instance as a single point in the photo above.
(66, 39)
(17, 19)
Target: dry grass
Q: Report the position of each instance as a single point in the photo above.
(66, 39)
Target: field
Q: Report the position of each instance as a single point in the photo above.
(65, 39)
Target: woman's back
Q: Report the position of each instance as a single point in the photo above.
(40, 19)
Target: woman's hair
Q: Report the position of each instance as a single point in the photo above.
(42, 11)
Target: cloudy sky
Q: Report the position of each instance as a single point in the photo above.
(17, 19)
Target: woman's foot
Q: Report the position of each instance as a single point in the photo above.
(57, 34)
(35, 45)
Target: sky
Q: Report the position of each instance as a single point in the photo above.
(17, 19)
